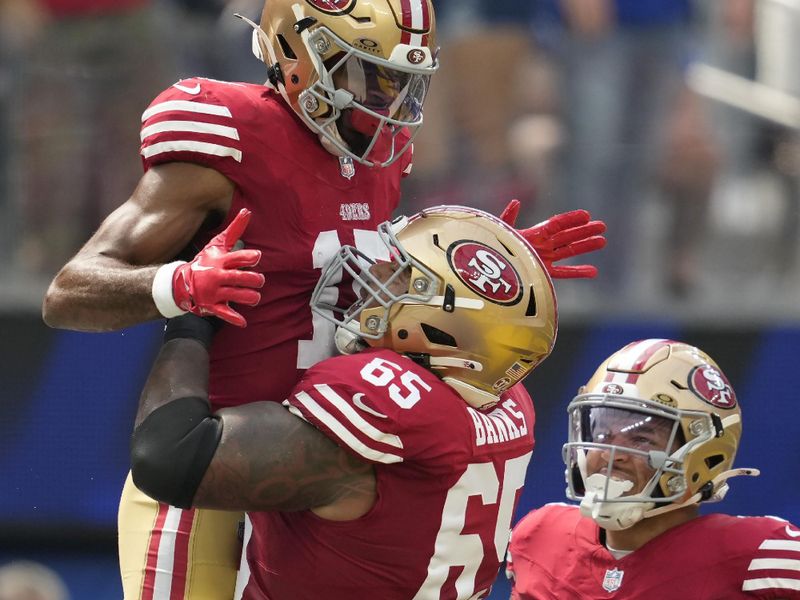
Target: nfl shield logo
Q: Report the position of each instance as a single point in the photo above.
(612, 580)
(346, 167)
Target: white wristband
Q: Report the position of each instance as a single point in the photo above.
(162, 290)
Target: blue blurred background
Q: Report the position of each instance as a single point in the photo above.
(675, 121)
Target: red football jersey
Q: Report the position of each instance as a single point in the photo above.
(556, 553)
(448, 480)
(306, 204)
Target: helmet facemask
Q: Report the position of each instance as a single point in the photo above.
(464, 295)
(613, 440)
(358, 88)
(653, 434)
(361, 103)
(376, 296)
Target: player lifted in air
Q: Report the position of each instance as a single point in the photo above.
(317, 155)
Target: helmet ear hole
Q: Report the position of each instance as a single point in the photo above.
(286, 48)
(437, 336)
(531, 310)
(714, 460)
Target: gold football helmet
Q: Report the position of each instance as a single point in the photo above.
(661, 402)
(364, 64)
(476, 304)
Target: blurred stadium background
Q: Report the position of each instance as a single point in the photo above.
(675, 121)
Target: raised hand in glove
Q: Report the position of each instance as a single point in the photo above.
(207, 284)
(559, 237)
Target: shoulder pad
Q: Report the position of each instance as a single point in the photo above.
(194, 120)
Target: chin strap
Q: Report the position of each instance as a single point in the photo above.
(617, 515)
(259, 34)
(719, 484)
(348, 342)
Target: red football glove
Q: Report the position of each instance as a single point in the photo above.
(562, 236)
(214, 278)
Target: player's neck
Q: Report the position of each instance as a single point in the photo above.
(645, 530)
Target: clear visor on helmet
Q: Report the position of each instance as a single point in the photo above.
(378, 284)
(624, 440)
(383, 90)
(378, 98)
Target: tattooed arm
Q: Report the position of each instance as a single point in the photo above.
(270, 459)
(253, 457)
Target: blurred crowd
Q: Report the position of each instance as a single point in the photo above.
(561, 103)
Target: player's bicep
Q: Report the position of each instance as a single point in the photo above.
(169, 205)
(270, 459)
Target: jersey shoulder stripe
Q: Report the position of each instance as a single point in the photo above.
(764, 546)
(189, 146)
(329, 411)
(776, 568)
(188, 106)
(193, 126)
(200, 129)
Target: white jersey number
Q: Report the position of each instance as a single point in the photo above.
(381, 373)
(327, 244)
(457, 549)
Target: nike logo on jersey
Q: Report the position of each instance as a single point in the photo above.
(360, 404)
(189, 90)
(792, 533)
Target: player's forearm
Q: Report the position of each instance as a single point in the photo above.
(102, 294)
(175, 435)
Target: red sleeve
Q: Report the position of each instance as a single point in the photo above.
(772, 570)
(193, 121)
(384, 408)
(359, 417)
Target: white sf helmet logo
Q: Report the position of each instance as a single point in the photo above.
(491, 270)
(714, 379)
(715, 382)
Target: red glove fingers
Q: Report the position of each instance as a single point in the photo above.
(510, 212)
(573, 272)
(561, 236)
(591, 230)
(212, 279)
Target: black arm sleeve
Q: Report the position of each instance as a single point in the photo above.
(172, 448)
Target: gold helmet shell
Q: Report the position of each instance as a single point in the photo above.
(326, 56)
(479, 308)
(668, 382)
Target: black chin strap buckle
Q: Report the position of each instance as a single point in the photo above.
(304, 24)
(423, 360)
(275, 75)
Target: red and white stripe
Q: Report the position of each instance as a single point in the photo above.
(168, 555)
(777, 568)
(188, 126)
(417, 18)
(633, 357)
(331, 411)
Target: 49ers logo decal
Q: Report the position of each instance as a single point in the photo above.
(712, 387)
(485, 271)
(333, 7)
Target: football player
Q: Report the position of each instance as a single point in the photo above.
(652, 436)
(391, 472)
(317, 154)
